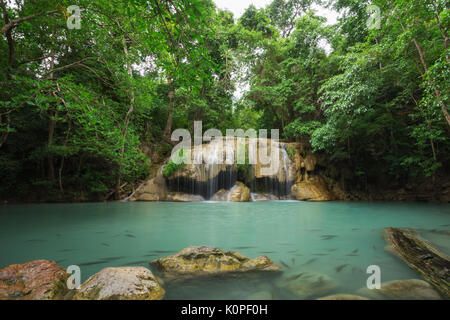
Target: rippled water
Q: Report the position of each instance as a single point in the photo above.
(314, 237)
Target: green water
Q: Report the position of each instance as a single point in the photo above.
(99, 235)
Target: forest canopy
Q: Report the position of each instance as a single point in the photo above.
(87, 113)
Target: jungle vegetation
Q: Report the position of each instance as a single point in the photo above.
(86, 114)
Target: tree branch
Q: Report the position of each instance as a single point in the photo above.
(68, 66)
(16, 22)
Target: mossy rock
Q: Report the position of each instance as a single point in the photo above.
(208, 261)
(35, 280)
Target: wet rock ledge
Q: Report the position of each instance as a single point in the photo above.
(209, 261)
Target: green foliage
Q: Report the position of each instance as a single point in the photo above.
(175, 163)
(379, 107)
(81, 111)
(291, 152)
(370, 104)
(170, 169)
(77, 105)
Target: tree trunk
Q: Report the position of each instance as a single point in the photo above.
(437, 93)
(421, 256)
(171, 96)
(127, 120)
(51, 126)
(442, 29)
(51, 133)
(8, 35)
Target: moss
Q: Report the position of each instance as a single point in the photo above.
(291, 152)
(169, 169)
(172, 167)
(59, 290)
(91, 294)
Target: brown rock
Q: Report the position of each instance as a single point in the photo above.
(315, 189)
(239, 193)
(35, 280)
(153, 190)
(310, 162)
(298, 161)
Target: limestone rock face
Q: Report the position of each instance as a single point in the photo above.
(413, 289)
(125, 283)
(35, 280)
(239, 193)
(299, 162)
(310, 162)
(314, 189)
(308, 285)
(204, 260)
(184, 197)
(343, 296)
(153, 190)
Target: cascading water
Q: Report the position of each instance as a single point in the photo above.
(210, 172)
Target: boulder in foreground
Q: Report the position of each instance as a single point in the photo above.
(124, 283)
(204, 260)
(35, 280)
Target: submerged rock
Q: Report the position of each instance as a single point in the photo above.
(261, 295)
(239, 193)
(343, 296)
(313, 189)
(201, 261)
(124, 283)
(413, 289)
(35, 280)
(184, 197)
(308, 285)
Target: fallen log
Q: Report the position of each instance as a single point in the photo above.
(421, 256)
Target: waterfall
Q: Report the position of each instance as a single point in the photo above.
(210, 173)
